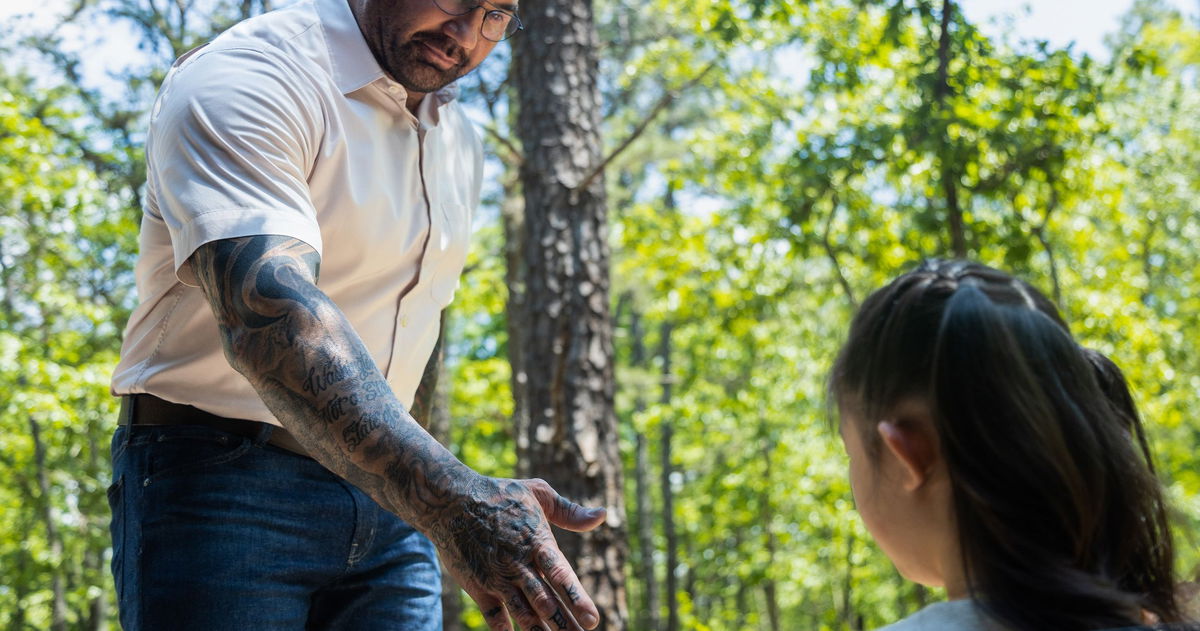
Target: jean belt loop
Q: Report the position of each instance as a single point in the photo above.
(264, 434)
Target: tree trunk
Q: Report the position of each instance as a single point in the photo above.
(517, 321)
(769, 589)
(58, 620)
(949, 171)
(97, 614)
(566, 339)
(668, 510)
(426, 394)
(431, 408)
(648, 621)
(20, 592)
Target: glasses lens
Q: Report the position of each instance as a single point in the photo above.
(498, 25)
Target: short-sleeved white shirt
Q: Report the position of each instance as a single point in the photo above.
(286, 125)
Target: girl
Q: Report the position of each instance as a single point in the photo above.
(993, 456)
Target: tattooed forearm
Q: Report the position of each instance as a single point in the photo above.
(296, 347)
(304, 359)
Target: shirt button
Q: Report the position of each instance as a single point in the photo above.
(393, 89)
(404, 320)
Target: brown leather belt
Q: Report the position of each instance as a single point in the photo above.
(147, 409)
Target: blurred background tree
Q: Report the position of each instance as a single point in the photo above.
(761, 166)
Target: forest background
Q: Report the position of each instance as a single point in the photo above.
(754, 169)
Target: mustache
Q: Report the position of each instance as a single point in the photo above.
(442, 43)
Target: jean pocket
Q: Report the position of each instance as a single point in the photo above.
(187, 449)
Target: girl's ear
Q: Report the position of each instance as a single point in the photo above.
(914, 445)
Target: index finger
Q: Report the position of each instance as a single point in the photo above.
(557, 571)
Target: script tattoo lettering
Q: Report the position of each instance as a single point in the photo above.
(318, 382)
(337, 407)
(359, 430)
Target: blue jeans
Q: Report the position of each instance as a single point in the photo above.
(213, 531)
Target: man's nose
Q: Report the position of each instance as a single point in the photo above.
(464, 29)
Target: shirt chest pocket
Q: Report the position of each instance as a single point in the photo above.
(446, 253)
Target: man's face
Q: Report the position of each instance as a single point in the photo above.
(420, 46)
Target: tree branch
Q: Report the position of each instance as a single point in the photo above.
(517, 156)
(667, 98)
(837, 267)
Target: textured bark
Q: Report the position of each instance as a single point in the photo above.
(424, 399)
(566, 340)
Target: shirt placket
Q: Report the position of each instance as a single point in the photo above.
(415, 301)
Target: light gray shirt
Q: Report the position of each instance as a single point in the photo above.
(954, 615)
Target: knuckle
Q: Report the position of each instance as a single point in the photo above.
(547, 560)
(566, 506)
(561, 575)
(528, 619)
(543, 606)
(517, 607)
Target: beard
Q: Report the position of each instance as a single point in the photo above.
(410, 65)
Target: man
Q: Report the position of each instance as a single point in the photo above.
(310, 186)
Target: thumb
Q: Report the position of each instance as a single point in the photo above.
(564, 513)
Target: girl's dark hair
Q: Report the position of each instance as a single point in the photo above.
(1061, 519)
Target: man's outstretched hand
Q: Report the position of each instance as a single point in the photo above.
(501, 551)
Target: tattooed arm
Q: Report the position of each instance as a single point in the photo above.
(311, 369)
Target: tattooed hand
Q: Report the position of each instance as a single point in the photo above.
(294, 345)
(500, 550)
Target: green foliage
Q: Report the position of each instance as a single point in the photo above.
(784, 159)
(788, 203)
(63, 251)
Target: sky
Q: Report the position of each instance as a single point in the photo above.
(1060, 21)
(1084, 22)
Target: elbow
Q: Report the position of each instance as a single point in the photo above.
(241, 346)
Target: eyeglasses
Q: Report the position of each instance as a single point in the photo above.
(497, 25)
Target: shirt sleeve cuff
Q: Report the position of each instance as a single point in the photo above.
(238, 222)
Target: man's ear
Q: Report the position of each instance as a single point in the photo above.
(914, 445)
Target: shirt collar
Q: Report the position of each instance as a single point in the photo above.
(354, 67)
